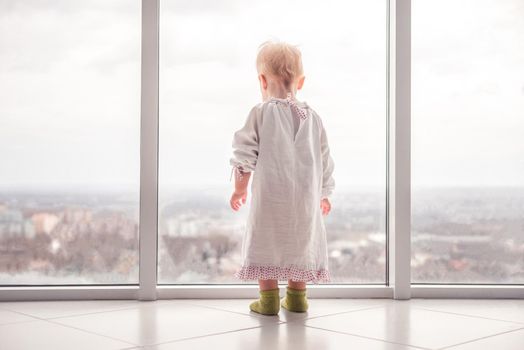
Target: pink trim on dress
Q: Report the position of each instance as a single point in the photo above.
(282, 273)
(300, 111)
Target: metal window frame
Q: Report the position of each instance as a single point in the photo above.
(398, 195)
(399, 147)
(148, 225)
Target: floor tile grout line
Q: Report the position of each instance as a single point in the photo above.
(287, 321)
(236, 312)
(99, 312)
(468, 315)
(277, 322)
(135, 346)
(17, 322)
(370, 338)
(68, 316)
(89, 313)
(212, 334)
(72, 327)
(254, 314)
(91, 332)
(481, 338)
(74, 315)
(337, 313)
(50, 320)
(36, 318)
(159, 301)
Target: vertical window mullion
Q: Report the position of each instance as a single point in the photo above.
(399, 162)
(149, 152)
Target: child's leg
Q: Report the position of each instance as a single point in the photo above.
(295, 299)
(267, 284)
(269, 302)
(296, 285)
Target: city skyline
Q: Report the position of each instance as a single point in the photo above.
(457, 236)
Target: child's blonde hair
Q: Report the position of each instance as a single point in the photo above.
(280, 60)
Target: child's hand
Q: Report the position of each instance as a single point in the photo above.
(325, 206)
(237, 199)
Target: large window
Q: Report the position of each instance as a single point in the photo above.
(468, 148)
(78, 111)
(208, 83)
(69, 142)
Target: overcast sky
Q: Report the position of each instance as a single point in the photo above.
(70, 88)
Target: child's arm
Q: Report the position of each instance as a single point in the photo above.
(245, 155)
(241, 181)
(240, 195)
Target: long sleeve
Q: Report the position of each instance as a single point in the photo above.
(328, 182)
(245, 144)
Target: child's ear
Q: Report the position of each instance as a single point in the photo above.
(263, 81)
(300, 82)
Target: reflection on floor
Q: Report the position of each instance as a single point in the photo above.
(228, 324)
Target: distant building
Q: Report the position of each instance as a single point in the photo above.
(13, 223)
(71, 214)
(44, 222)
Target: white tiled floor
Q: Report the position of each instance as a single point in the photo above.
(367, 324)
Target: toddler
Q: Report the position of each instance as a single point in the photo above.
(283, 141)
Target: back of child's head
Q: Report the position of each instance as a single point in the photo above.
(280, 61)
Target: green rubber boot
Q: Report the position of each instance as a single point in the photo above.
(268, 304)
(295, 300)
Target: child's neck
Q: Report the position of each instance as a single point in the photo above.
(280, 92)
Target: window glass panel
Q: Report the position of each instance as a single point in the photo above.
(208, 84)
(69, 141)
(468, 148)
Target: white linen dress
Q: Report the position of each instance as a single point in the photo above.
(284, 143)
